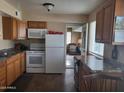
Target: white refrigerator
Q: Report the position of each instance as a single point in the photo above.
(55, 53)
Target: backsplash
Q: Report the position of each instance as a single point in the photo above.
(108, 52)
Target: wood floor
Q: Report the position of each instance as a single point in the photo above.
(46, 82)
(70, 61)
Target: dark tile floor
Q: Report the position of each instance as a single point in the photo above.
(45, 82)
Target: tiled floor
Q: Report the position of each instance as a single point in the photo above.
(46, 82)
(69, 62)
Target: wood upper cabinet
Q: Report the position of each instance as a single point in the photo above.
(9, 28)
(99, 25)
(119, 9)
(22, 25)
(108, 22)
(2, 74)
(105, 19)
(37, 24)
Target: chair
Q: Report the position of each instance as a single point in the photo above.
(71, 49)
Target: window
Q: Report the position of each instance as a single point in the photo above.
(97, 48)
(68, 38)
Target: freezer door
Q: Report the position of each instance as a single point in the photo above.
(55, 41)
(55, 60)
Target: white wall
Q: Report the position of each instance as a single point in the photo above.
(55, 18)
(57, 26)
(94, 47)
(4, 44)
(9, 9)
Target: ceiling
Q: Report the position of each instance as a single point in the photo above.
(61, 6)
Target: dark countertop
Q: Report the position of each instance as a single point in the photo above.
(10, 52)
(101, 65)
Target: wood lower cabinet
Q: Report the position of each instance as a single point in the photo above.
(23, 62)
(10, 73)
(37, 24)
(83, 70)
(17, 68)
(2, 75)
(13, 68)
(80, 70)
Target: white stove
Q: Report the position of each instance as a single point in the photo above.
(35, 58)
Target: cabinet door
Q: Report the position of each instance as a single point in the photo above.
(42, 25)
(7, 27)
(99, 25)
(2, 74)
(10, 73)
(17, 68)
(21, 30)
(119, 9)
(37, 24)
(108, 22)
(23, 64)
(14, 29)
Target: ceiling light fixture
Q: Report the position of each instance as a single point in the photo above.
(48, 6)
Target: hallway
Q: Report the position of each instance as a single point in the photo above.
(46, 82)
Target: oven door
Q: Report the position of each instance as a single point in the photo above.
(35, 60)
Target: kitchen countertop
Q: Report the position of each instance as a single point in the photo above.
(10, 52)
(101, 65)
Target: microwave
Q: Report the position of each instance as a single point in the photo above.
(37, 33)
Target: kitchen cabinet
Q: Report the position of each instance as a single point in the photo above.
(22, 25)
(105, 19)
(37, 24)
(2, 75)
(13, 29)
(9, 28)
(17, 65)
(80, 70)
(83, 70)
(10, 72)
(91, 77)
(23, 62)
(13, 68)
(99, 25)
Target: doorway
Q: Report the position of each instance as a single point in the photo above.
(73, 39)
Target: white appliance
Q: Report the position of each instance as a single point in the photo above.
(37, 33)
(55, 54)
(35, 59)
